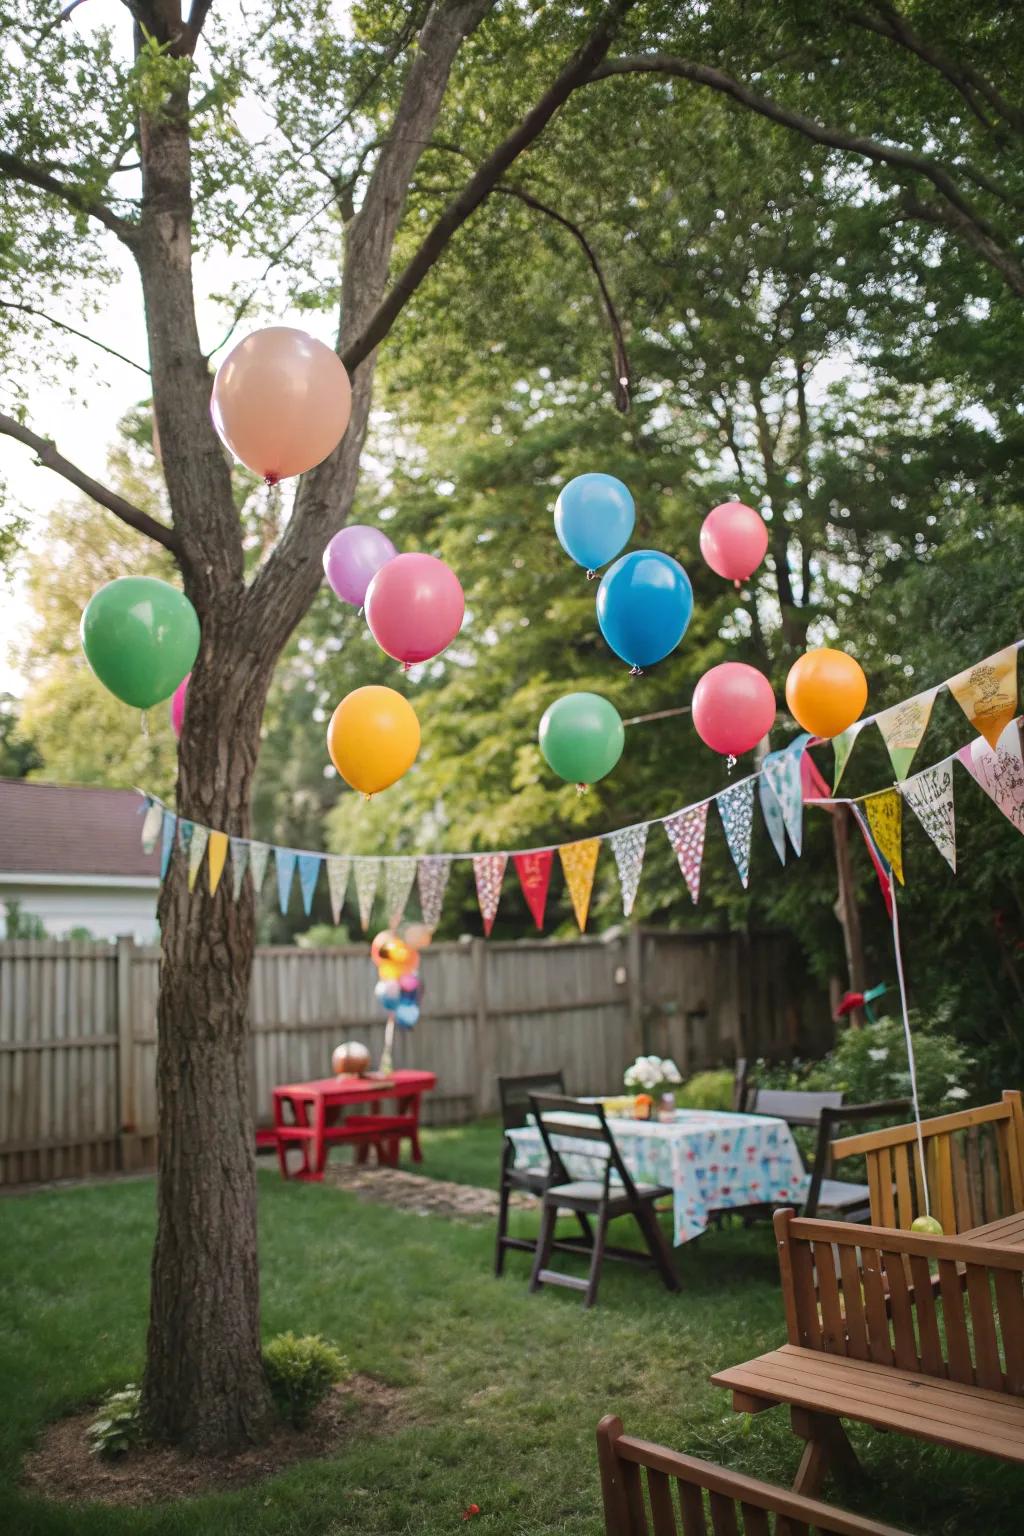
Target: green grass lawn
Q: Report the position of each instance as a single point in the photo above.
(504, 1389)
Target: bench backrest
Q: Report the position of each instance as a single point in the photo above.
(974, 1160)
(687, 1497)
(866, 1292)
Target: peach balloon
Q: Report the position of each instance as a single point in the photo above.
(826, 691)
(281, 402)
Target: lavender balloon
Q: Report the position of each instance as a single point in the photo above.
(353, 558)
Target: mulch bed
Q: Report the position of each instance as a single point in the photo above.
(413, 1192)
(62, 1467)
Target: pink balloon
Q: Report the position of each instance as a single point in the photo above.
(353, 558)
(178, 705)
(414, 607)
(733, 540)
(733, 707)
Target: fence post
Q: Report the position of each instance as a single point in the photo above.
(485, 1064)
(126, 1112)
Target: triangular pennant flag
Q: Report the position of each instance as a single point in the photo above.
(885, 818)
(987, 693)
(789, 791)
(1001, 772)
(286, 858)
(579, 861)
(399, 875)
(628, 846)
(534, 871)
(309, 873)
(338, 866)
(736, 808)
(151, 825)
(489, 871)
(167, 841)
(217, 852)
(771, 810)
(903, 727)
(259, 857)
(239, 864)
(880, 864)
(432, 882)
(185, 829)
(685, 830)
(842, 746)
(930, 796)
(196, 849)
(367, 876)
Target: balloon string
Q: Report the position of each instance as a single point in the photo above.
(581, 789)
(730, 764)
(636, 671)
(591, 575)
(144, 723)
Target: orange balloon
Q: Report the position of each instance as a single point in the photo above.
(373, 738)
(281, 401)
(826, 691)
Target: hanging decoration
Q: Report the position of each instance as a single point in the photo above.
(582, 737)
(579, 861)
(902, 728)
(178, 698)
(987, 693)
(338, 866)
(239, 864)
(930, 796)
(399, 875)
(140, 637)
(151, 824)
(885, 818)
(353, 558)
(367, 874)
(534, 871)
(373, 738)
(259, 858)
(286, 859)
(733, 708)
(309, 873)
(594, 517)
(826, 691)
(644, 605)
(432, 882)
(842, 746)
(488, 872)
(1000, 772)
(736, 808)
(217, 852)
(166, 842)
(628, 846)
(734, 541)
(771, 810)
(685, 832)
(196, 849)
(414, 608)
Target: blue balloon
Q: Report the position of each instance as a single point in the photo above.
(407, 1014)
(594, 517)
(644, 604)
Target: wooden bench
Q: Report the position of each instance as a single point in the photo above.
(853, 1296)
(708, 1498)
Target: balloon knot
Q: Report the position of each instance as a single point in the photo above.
(272, 479)
(581, 789)
(367, 798)
(636, 671)
(730, 763)
(738, 585)
(406, 666)
(360, 611)
(591, 575)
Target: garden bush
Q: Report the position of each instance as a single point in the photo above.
(707, 1090)
(301, 1372)
(118, 1425)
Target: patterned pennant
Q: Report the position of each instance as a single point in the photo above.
(1000, 773)
(152, 823)
(534, 871)
(309, 874)
(987, 693)
(628, 846)
(736, 808)
(842, 746)
(166, 841)
(399, 875)
(286, 858)
(771, 810)
(185, 830)
(239, 864)
(196, 849)
(489, 871)
(579, 861)
(685, 830)
(930, 796)
(338, 866)
(217, 852)
(432, 882)
(367, 878)
(881, 867)
(903, 727)
(885, 818)
(259, 857)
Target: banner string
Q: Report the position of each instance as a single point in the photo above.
(910, 1044)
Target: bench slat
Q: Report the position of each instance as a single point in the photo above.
(1011, 1323)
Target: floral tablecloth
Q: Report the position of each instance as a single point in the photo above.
(711, 1161)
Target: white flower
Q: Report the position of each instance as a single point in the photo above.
(956, 1093)
(670, 1072)
(879, 1052)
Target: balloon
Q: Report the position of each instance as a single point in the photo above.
(826, 691)
(414, 607)
(388, 994)
(594, 517)
(581, 737)
(733, 708)
(644, 604)
(733, 540)
(381, 946)
(281, 401)
(140, 637)
(929, 1224)
(353, 558)
(373, 738)
(418, 936)
(350, 1059)
(178, 706)
(401, 955)
(407, 1014)
(409, 983)
(389, 970)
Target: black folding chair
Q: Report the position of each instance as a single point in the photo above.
(514, 1096)
(614, 1194)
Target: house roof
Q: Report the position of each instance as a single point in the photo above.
(71, 829)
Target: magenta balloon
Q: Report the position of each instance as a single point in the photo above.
(733, 540)
(414, 607)
(733, 707)
(178, 705)
(353, 558)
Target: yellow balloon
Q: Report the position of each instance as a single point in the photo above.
(373, 738)
(418, 936)
(826, 691)
(387, 970)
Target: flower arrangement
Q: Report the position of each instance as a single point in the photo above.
(653, 1076)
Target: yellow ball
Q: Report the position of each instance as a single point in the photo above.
(373, 738)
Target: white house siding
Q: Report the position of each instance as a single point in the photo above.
(107, 907)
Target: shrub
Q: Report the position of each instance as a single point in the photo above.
(301, 1372)
(118, 1425)
(707, 1090)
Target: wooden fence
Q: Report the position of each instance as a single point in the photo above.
(78, 1027)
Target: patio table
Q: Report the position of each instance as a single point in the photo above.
(313, 1117)
(712, 1161)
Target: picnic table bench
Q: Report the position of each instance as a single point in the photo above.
(313, 1117)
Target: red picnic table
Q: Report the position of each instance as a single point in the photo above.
(313, 1117)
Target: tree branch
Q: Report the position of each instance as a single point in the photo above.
(48, 456)
(62, 325)
(16, 169)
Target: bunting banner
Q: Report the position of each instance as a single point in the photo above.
(987, 693)
(185, 834)
(338, 866)
(259, 858)
(216, 853)
(286, 859)
(399, 875)
(1000, 772)
(628, 846)
(432, 882)
(881, 866)
(152, 823)
(902, 728)
(885, 818)
(685, 831)
(842, 746)
(309, 874)
(167, 842)
(736, 808)
(239, 864)
(780, 790)
(579, 861)
(489, 871)
(771, 810)
(930, 796)
(367, 877)
(534, 871)
(196, 848)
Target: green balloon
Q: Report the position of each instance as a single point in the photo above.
(140, 636)
(581, 736)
